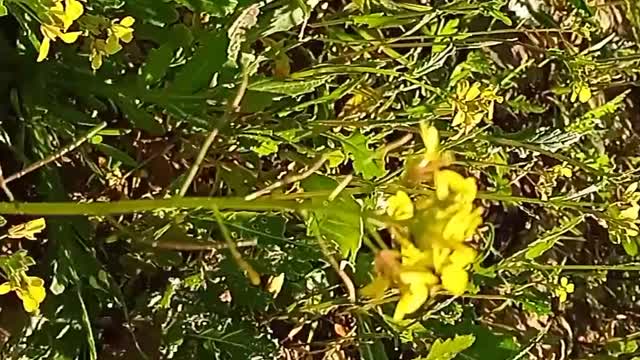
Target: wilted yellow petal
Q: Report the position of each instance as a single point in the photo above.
(45, 45)
(275, 284)
(454, 279)
(400, 206)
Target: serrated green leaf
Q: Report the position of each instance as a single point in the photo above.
(339, 220)
(366, 162)
(208, 59)
(450, 348)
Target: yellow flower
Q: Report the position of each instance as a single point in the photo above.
(454, 279)
(463, 256)
(122, 30)
(61, 19)
(414, 291)
(565, 288)
(472, 103)
(27, 230)
(400, 207)
(451, 186)
(30, 290)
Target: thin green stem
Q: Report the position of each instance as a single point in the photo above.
(133, 206)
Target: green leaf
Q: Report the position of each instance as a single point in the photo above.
(286, 17)
(549, 239)
(157, 63)
(140, 118)
(450, 348)
(582, 5)
(3, 9)
(368, 163)
(217, 8)
(291, 88)
(370, 350)
(339, 220)
(154, 11)
(116, 154)
(160, 58)
(208, 59)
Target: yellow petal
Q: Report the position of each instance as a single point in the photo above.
(454, 279)
(630, 212)
(112, 45)
(411, 300)
(473, 92)
(127, 21)
(37, 293)
(96, 61)
(418, 278)
(431, 139)
(73, 9)
(462, 88)
(463, 256)
(29, 303)
(400, 206)
(585, 93)
(127, 37)
(70, 37)
(45, 45)
(49, 31)
(458, 118)
(5, 288)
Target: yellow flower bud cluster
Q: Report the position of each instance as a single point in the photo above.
(431, 233)
(473, 103)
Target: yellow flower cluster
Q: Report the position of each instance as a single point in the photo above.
(59, 18)
(431, 234)
(119, 30)
(30, 289)
(473, 103)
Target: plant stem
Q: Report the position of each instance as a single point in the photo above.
(133, 206)
(36, 165)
